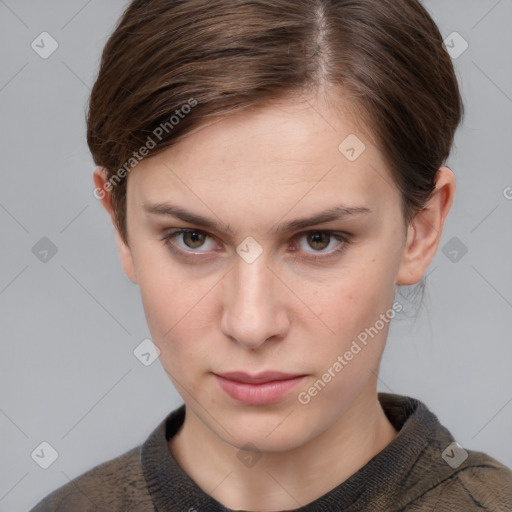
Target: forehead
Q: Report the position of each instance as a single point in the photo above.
(297, 149)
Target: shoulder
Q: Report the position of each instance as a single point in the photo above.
(487, 482)
(117, 484)
(481, 483)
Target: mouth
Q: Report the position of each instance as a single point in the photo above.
(260, 389)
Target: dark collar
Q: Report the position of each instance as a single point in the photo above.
(380, 482)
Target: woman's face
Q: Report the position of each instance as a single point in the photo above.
(260, 289)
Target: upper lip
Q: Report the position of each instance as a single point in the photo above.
(257, 378)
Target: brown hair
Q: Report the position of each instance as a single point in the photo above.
(170, 64)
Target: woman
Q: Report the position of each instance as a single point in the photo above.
(274, 170)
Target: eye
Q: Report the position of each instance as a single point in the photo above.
(319, 241)
(192, 239)
(187, 241)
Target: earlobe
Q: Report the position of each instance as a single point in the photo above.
(425, 231)
(406, 272)
(104, 195)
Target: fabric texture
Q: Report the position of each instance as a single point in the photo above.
(419, 471)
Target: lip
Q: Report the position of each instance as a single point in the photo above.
(261, 389)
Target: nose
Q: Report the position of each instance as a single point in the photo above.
(254, 311)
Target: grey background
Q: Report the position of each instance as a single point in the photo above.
(69, 326)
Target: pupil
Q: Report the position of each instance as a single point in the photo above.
(195, 238)
(316, 239)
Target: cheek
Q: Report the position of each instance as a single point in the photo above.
(352, 298)
(344, 362)
(350, 304)
(177, 308)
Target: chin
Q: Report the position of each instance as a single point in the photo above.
(269, 431)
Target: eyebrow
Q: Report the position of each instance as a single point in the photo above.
(334, 213)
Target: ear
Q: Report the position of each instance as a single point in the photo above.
(104, 194)
(424, 232)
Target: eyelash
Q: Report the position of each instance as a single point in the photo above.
(344, 238)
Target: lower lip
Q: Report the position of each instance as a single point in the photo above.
(258, 394)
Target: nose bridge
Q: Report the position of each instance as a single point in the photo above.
(252, 288)
(252, 280)
(252, 312)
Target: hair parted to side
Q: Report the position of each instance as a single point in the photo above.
(189, 60)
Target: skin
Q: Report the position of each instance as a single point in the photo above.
(214, 312)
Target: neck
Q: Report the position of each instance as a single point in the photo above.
(284, 480)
